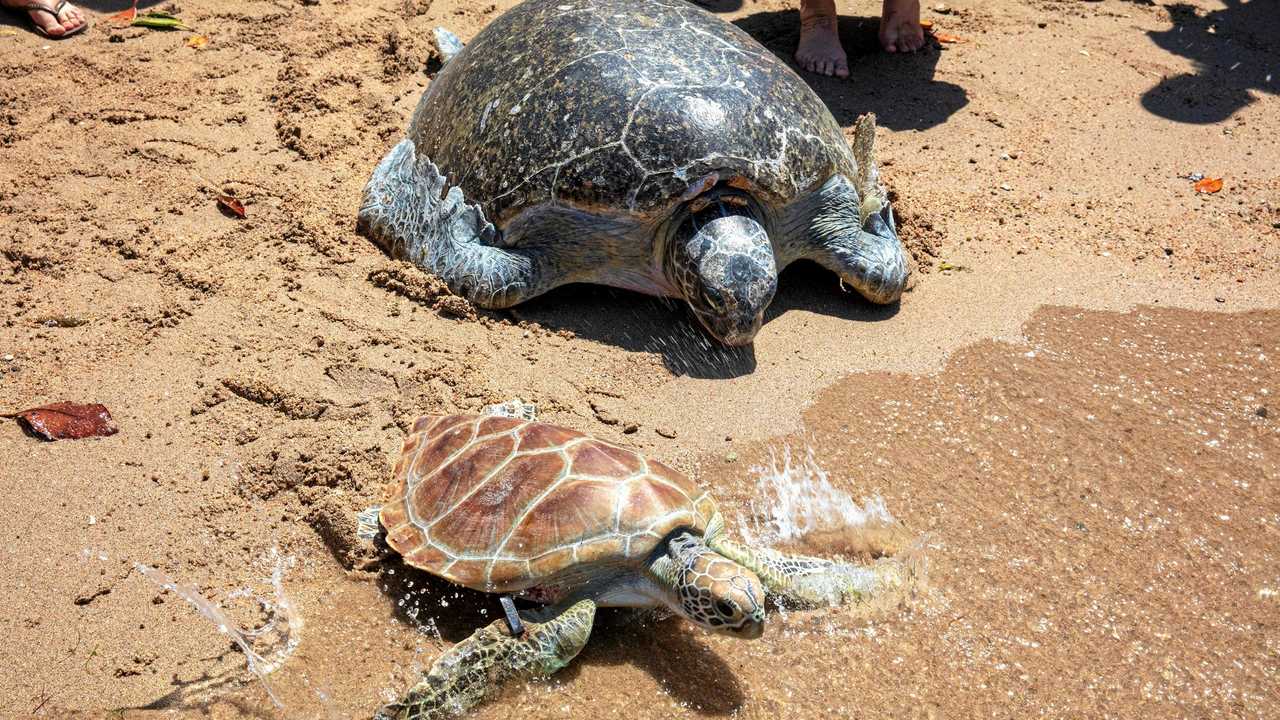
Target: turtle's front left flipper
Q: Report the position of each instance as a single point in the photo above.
(797, 581)
(411, 211)
(477, 668)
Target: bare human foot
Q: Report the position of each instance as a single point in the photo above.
(54, 18)
(820, 51)
(900, 29)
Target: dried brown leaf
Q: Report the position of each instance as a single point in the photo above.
(230, 204)
(124, 18)
(68, 421)
(1208, 185)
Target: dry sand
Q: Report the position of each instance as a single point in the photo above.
(1097, 482)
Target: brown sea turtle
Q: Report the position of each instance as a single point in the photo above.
(643, 144)
(518, 507)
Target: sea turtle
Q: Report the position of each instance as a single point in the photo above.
(519, 507)
(643, 144)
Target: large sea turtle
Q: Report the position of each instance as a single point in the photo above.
(644, 144)
(518, 507)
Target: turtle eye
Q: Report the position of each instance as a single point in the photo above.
(725, 609)
(710, 301)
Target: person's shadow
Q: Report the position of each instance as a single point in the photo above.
(898, 87)
(1235, 50)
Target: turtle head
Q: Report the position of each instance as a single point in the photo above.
(713, 591)
(720, 258)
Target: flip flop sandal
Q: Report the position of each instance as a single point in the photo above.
(55, 12)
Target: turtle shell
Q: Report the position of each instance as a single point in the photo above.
(502, 505)
(621, 106)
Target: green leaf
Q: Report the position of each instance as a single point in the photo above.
(159, 21)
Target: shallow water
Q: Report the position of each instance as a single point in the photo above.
(1099, 512)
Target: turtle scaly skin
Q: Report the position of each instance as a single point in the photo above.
(643, 144)
(515, 506)
(474, 670)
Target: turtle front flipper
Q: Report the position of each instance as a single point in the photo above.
(849, 229)
(476, 669)
(797, 581)
(412, 212)
(862, 248)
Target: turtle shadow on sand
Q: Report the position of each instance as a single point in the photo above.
(640, 323)
(422, 600)
(899, 88)
(667, 650)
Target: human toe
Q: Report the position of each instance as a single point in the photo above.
(72, 18)
(912, 38)
(51, 26)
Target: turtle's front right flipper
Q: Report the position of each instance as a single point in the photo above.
(798, 581)
(412, 212)
(476, 669)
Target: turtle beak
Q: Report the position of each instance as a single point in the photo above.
(730, 330)
(750, 630)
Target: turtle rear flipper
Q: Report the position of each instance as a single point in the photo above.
(448, 45)
(367, 525)
(476, 669)
(872, 194)
(412, 212)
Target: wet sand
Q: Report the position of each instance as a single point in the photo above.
(1101, 526)
(1096, 509)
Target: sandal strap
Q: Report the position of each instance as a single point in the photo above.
(55, 12)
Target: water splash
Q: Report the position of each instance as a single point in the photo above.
(795, 497)
(513, 408)
(282, 630)
(795, 502)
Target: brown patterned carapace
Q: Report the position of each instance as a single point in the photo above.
(500, 505)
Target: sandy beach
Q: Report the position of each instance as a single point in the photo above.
(1074, 408)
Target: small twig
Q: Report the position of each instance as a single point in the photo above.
(45, 697)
